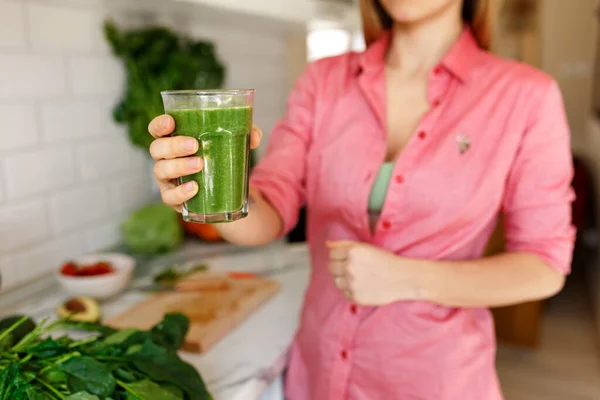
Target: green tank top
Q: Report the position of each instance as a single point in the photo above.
(380, 187)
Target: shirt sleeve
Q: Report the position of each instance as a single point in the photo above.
(537, 203)
(280, 174)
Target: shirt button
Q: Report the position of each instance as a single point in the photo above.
(436, 103)
(437, 70)
(399, 179)
(353, 308)
(344, 354)
(422, 135)
(387, 224)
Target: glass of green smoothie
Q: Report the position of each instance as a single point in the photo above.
(221, 120)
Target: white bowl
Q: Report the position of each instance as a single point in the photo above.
(102, 286)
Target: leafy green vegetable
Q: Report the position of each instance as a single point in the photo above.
(82, 396)
(124, 375)
(171, 331)
(153, 229)
(148, 390)
(54, 375)
(87, 374)
(17, 326)
(14, 386)
(88, 327)
(157, 59)
(112, 365)
(162, 365)
(31, 393)
(120, 337)
(171, 275)
(7, 376)
(48, 348)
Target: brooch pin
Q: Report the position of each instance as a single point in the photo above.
(463, 142)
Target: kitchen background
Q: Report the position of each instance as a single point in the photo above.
(69, 175)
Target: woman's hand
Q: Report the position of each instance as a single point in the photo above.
(175, 157)
(370, 276)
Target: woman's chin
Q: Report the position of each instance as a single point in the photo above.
(407, 12)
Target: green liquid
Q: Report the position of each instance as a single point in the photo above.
(224, 138)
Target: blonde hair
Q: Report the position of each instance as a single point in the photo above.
(478, 14)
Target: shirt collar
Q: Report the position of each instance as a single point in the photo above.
(459, 60)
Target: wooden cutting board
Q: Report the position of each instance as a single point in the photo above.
(213, 313)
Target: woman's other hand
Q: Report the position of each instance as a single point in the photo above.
(176, 157)
(370, 276)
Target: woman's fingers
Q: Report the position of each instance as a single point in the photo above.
(163, 125)
(175, 196)
(172, 147)
(166, 170)
(338, 252)
(255, 137)
(337, 268)
(172, 161)
(341, 283)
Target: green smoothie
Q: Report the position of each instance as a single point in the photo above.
(224, 138)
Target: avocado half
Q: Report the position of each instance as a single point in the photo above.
(82, 309)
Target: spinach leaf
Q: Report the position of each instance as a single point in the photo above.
(124, 375)
(6, 342)
(171, 331)
(117, 344)
(88, 327)
(174, 390)
(120, 337)
(82, 396)
(163, 366)
(31, 393)
(40, 367)
(12, 385)
(7, 376)
(87, 374)
(19, 326)
(148, 390)
(48, 348)
(54, 375)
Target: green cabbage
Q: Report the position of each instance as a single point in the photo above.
(153, 229)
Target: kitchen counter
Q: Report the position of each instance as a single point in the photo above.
(246, 361)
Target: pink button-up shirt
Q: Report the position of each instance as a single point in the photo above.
(495, 139)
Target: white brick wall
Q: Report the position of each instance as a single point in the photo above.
(78, 208)
(9, 273)
(127, 192)
(38, 171)
(19, 126)
(12, 31)
(68, 175)
(101, 158)
(76, 30)
(72, 119)
(46, 256)
(95, 75)
(21, 225)
(25, 76)
(103, 235)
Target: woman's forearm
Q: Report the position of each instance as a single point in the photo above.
(500, 280)
(261, 226)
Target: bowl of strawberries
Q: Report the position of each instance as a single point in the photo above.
(99, 276)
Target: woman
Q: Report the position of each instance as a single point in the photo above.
(405, 155)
